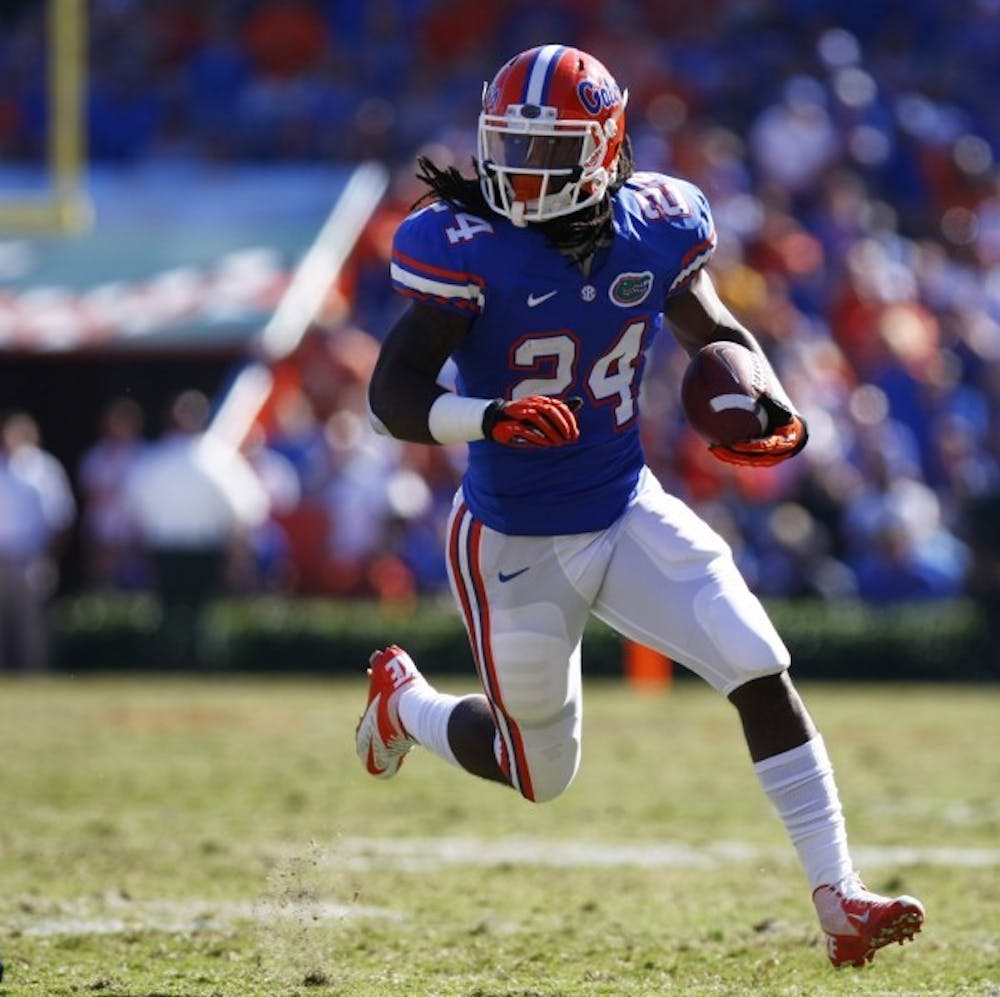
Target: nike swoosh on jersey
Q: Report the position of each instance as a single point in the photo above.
(538, 299)
(512, 575)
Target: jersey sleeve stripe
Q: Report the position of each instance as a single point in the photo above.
(700, 249)
(459, 295)
(419, 266)
(456, 304)
(703, 253)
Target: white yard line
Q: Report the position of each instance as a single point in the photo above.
(115, 914)
(969, 858)
(433, 853)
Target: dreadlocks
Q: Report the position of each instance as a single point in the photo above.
(577, 236)
(450, 186)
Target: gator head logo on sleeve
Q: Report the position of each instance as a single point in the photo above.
(629, 289)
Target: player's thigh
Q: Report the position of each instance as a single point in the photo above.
(524, 611)
(524, 603)
(672, 584)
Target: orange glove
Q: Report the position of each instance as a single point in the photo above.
(533, 421)
(787, 435)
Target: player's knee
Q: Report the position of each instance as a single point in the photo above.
(741, 631)
(549, 790)
(552, 769)
(538, 699)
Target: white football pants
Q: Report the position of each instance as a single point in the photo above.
(659, 575)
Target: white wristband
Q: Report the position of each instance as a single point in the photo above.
(455, 419)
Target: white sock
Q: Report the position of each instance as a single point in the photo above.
(424, 713)
(800, 784)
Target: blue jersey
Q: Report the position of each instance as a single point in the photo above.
(542, 327)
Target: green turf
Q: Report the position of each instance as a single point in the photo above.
(208, 823)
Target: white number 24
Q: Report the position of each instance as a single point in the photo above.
(611, 378)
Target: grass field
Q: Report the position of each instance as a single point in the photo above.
(173, 838)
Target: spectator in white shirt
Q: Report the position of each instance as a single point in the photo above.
(37, 509)
(192, 497)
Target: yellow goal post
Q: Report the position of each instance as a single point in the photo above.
(63, 207)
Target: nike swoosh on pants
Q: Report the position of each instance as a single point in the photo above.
(512, 575)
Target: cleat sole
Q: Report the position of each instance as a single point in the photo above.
(903, 929)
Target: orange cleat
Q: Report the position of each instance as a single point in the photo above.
(858, 923)
(381, 741)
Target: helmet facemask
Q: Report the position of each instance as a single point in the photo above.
(535, 166)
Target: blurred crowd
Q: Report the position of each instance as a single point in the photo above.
(848, 150)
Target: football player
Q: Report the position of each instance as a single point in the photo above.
(545, 279)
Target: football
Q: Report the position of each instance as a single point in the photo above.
(721, 393)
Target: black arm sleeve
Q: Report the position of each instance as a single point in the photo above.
(404, 383)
